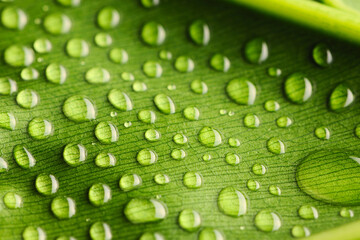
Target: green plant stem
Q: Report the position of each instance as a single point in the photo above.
(329, 20)
(350, 231)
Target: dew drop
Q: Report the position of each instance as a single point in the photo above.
(206, 157)
(127, 124)
(146, 157)
(153, 34)
(189, 220)
(253, 185)
(346, 213)
(65, 238)
(29, 73)
(178, 154)
(164, 103)
(199, 32)
(27, 99)
(150, 4)
(298, 88)
(210, 234)
(74, 154)
(139, 210)
(191, 113)
(99, 194)
(256, 51)
(171, 87)
(118, 55)
(193, 180)
(108, 18)
(275, 145)
(199, 87)
(46, 184)
(79, 109)
(241, 91)
(180, 139)
(152, 69)
(13, 200)
(13, 18)
(69, 3)
(126, 76)
(184, 64)
(139, 86)
(259, 169)
(100, 231)
(322, 133)
(209, 137)
(147, 116)
(77, 48)
(97, 75)
(23, 157)
(161, 179)
(308, 212)
(274, 190)
(267, 221)
(130, 181)
(63, 207)
(274, 72)
(220, 63)
(322, 55)
(341, 98)
(232, 202)
(232, 159)
(57, 23)
(42, 45)
(284, 122)
(299, 231)
(271, 106)
(105, 160)
(106, 132)
(152, 135)
(165, 55)
(7, 86)
(152, 236)
(120, 100)
(7, 121)
(40, 128)
(234, 142)
(34, 233)
(103, 40)
(19, 56)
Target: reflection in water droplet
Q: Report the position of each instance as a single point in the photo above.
(322, 55)
(19, 56)
(209, 137)
(251, 120)
(322, 133)
(12, 200)
(139, 210)
(199, 87)
(99, 194)
(100, 231)
(146, 157)
(130, 182)
(118, 55)
(152, 69)
(105, 160)
(298, 88)
(161, 179)
(13, 18)
(189, 220)
(147, 116)
(232, 202)
(308, 212)
(23, 157)
(106, 132)
(256, 51)
(29, 73)
(7, 121)
(164, 103)
(271, 106)
(299, 231)
(39, 128)
(210, 234)
(153, 34)
(258, 169)
(63, 207)
(97, 75)
(193, 180)
(275, 146)
(79, 109)
(57, 23)
(253, 185)
(7, 86)
(267, 221)
(232, 159)
(34, 233)
(77, 48)
(46, 184)
(42, 45)
(103, 39)
(241, 91)
(341, 98)
(220, 63)
(199, 32)
(107, 18)
(184, 64)
(74, 154)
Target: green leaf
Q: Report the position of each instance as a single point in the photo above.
(57, 173)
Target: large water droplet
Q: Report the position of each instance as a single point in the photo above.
(193, 180)
(140, 210)
(23, 157)
(63, 207)
(199, 32)
(39, 128)
(99, 194)
(34, 233)
(256, 51)
(308, 212)
(189, 220)
(341, 98)
(267, 221)
(153, 34)
(316, 173)
(46, 184)
(27, 98)
(56, 73)
(184, 64)
(146, 157)
(241, 91)
(42, 45)
(19, 56)
(322, 55)
(29, 73)
(130, 181)
(105, 160)
(13, 18)
(210, 137)
(57, 23)
(100, 231)
(164, 103)
(74, 154)
(120, 100)
(7, 121)
(232, 202)
(107, 18)
(77, 48)
(147, 116)
(106, 132)
(210, 234)
(13, 200)
(298, 88)
(79, 109)
(7, 86)
(275, 146)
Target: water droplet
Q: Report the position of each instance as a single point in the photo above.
(178, 154)
(321, 167)
(153, 34)
(191, 113)
(34, 233)
(152, 69)
(13, 18)
(256, 51)
(199, 87)
(79, 109)
(103, 40)
(3, 165)
(120, 100)
(126, 76)
(271, 106)
(189, 220)
(161, 179)
(46, 184)
(23, 157)
(184, 64)
(146, 157)
(139, 210)
(274, 190)
(77, 48)
(346, 213)
(267, 221)
(234, 142)
(150, 4)
(138, 86)
(259, 169)
(39, 128)
(27, 99)
(165, 55)
(99, 194)
(241, 91)
(220, 63)
(274, 72)
(7, 121)
(147, 116)
(97, 75)
(107, 18)
(13, 200)
(57, 23)
(210, 234)
(105, 160)
(171, 87)
(19, 56)
(193, 180)
(118, 55)
(322, 55)
(322, 133)
(130, 181)
(253, 185)
(180, 139)
(231, 113)
(308, 212)
(106, 132)
(100, 231)
(7, 86)
(210, 137)
(284, 122)
(341, 98)
(63, 207)
(74, 154)
(206, 157)
(127, 124)
(223, 112)
(152, 135)
(232, 159)
(150, 235)
(232, 202)
(299, 231)
(65, 238)
(275, 146)
(42, 45)
(298, 88)
(29, 73)
(69, 3)
(164, 103)
(199, 32)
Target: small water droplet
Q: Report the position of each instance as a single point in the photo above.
(341, 98)
(189, 220)
(120, 100)
(223, 112)
(106, 132)
(267, 221)
(193, 180)
(275, 145)
(164, 103)
(34, 233)
(23, 157)
(274, 72)
(210, 137)
(346, 213)
(253, 185)
(130, 181)
(298, 88)
(105, 160)
(271, 106)
(165, 55)
(150, 4)
(180, 139)
(251, 120)
(39, 128)
(210, 234)
(139, 210)
(220, 63)
(153, 34)
(322, 133)
(284, 122)
(171, 87)
(184, 64)
(107, 18)
(206, 157)
(232, 202)
(299, 231)
(232, 159)
(69, 3)
(7, 121)
(103, 39)
(178, 154)
(234, 142)
(57, 23)
(161, 179)
(77, 48)
(74, 154)
(152, 69)
(191, 113)
(118, 55)
(27, 99)
(256, 51)
(19, 56)
(100, 231)
(99, 194)
(139, 86)
(150, 235)
(308, 212)
(42, 45)
(7, 86)
(147, 116)
(13, 200)
(274, 190)
(13, 18)
(152, 135)
(97, 75)
(127, 124)
(199, 87)
(46, 184)
(322, 55)
(126, 76)
(146, 157)
(199, 32)
(29, 73)
(231, 113)
(259, 169)
(79, 109)
(241, 91)
(63, 207)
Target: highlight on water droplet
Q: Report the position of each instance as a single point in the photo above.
(189, 220)
(210, 234)
(161, 179)
(274, 190)
(63, 207)
(153, 34)
(13, 18)
(74, 154)
(79, 108)
(152, 135)
(100, 231)
(267, 221)
(57, 23)
(97, 75)
(199, 87)
(105, 160)
(308, 212)
(106, 132)
(99, 194)
(232, 159)
(341, 98)
(29, 73)
(256, 51)
(209, 137)
(298, 88)
(77, 48)
(322, 55)
(46, 184)
(130, 181)
(164, 103)
(241, 91)
(346, 213)
(232, 202)
(108, 18)
(253, 185)
(275, 145)
(178, 154)
(271, 106)
(152, 69)
(193, 180)
(284, 122)
(184, 64)
(220, 63)
(13, 200)
(42, 45)
(146, 157)
(103, 39)
(27, 98)
(140, 210)
(259, 169)
(23, 157)
(7, 86)
(118, 55)
(40, 128)
(7, 121)
(199, 32)
(147, 116)
(19, 56)
(299, 231)
(34, 233)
